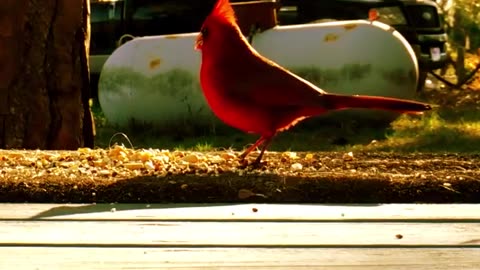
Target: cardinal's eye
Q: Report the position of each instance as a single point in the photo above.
(204, 32)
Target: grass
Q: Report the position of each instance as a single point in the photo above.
(431, 133)
(436, 131)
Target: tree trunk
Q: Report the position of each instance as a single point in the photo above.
(44, 81)
(459, 29)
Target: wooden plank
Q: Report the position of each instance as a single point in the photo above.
(274, 212)
(139, 236)
(163, 258)
(237, 234)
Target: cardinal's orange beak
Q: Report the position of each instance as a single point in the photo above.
(199, 42)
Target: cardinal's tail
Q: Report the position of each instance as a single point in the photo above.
(338, 102)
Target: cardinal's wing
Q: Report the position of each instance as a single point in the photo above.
(261, 81)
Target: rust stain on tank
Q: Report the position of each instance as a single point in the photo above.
(155, 63)
(171, 36)
(350, 26)
(330, 37)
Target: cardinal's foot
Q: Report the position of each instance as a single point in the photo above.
(243, 162)
(257, 164)
(242, 156)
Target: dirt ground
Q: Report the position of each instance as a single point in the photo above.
(328, 177)
(125, 175)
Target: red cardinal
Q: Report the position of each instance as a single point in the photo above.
(250, 92)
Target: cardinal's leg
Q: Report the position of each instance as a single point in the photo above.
(251, 148)
(266, 143)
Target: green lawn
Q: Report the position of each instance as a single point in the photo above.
(441, 130)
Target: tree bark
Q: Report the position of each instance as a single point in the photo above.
(44, 82)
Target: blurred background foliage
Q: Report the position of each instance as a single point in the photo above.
(463, 23)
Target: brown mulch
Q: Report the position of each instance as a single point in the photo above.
(148, 176)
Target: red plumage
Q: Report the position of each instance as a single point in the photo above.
(252, 93)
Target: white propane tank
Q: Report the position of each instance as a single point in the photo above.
(155, 79)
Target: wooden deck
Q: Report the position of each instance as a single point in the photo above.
(242, 236)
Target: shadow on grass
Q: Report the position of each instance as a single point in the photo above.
(432, 134)
(314, 135)
(459, 115)
(331, 131)
(445, 139)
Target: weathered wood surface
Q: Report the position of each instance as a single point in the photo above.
(274, 212)
(238, 258)
(244, 236)
(237, 234)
